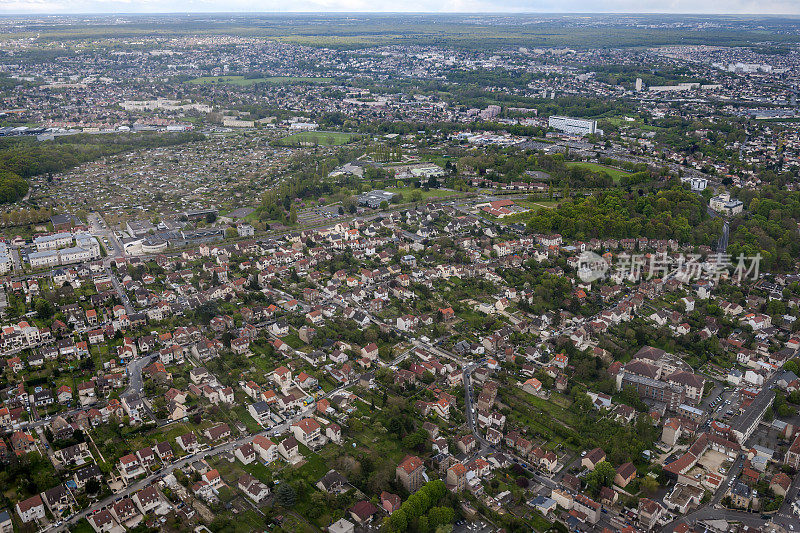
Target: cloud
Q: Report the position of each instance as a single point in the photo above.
(393, 6)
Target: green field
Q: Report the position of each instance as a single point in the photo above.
(619, 121)
(320, 138)
(242, 81)
(615, 174)
(451, 30)
(536, 204)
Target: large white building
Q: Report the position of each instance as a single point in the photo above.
(163, 103)
(697, 184)
(573, 126)
(723, 203)
(64, 249)
(53, 242)
(47, 258)
(6, 263)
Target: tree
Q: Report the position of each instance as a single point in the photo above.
(92, 486)
(285, 495)
(416, 440)
(226, 339)
(602, 476)
(649, 486)
(439, 516)
(792, 366)
(398, 521)
(44, 308)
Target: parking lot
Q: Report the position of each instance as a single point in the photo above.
(316, 215)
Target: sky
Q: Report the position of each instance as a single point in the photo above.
(762, 7)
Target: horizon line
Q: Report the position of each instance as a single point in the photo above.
(435, 13)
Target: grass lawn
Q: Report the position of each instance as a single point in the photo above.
(532, 410)
(619, 121)
(242, 415)
(233, 471)
(241, 80)
(536, 204)
(259, 471)
(247, 521)
(432, 193)
(315, 466)
(321, 138)
(551, 407)
(378, 443)
(539, 522)
(615, 174)
(293, 523)
(293, 340)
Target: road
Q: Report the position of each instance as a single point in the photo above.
(99, 228)
(713, 513)
(17, 262)
(751, 415)
(229, 446)
(722, 243)
(123, 296)
(470, 414)
(180, 463)
(135, 382)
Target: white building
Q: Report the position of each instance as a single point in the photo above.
(573, 126)
(64, 249)
(44, 259)
(697, 184)
(6, 263)
(31, 509)
(674, 88)
(723, 203)
(303, 126)
(245, 230)
(53, 242)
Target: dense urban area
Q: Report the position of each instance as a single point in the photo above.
(382, 273)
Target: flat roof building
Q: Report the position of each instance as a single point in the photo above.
(573, 126)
